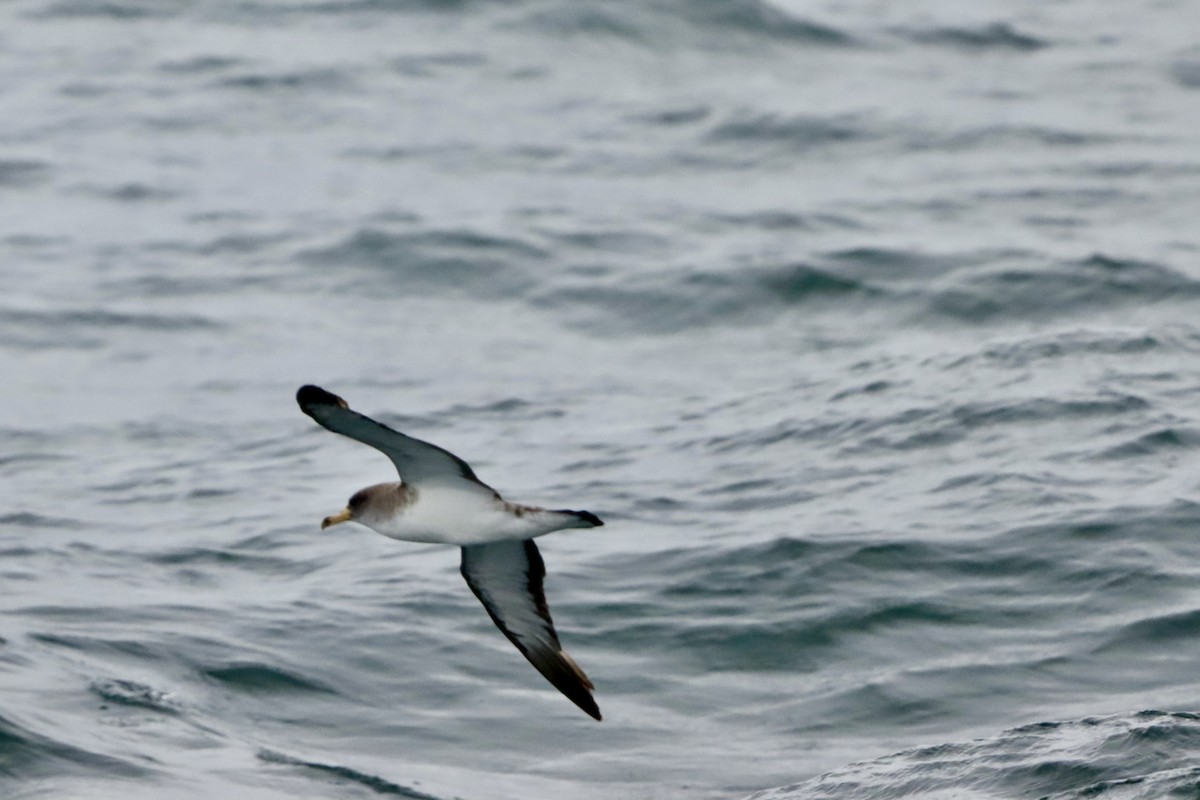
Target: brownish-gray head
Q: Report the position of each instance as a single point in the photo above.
(374, 502)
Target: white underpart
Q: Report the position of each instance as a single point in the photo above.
(463, 513)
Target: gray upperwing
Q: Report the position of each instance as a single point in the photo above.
(415, 460)
(507, 579)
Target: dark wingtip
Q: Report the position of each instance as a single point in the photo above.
(588, 516)
(309, 395)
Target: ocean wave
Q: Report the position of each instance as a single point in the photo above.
(326, 80)
(341, 774)
(22, 174)
(719, 24)
(1155, 443)
(131, 694)
(456, 260)
(258, 678)
(28, 754)
(674, 302)
(1142, 756)
(119, 10)
(985, 38)
(1051, 291)
(748, 136)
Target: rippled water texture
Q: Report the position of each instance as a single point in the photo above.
(869, 329)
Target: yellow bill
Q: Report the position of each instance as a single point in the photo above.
(341, 516)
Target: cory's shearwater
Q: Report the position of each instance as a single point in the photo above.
(440, 500)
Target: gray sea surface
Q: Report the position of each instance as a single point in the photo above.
(872, 330)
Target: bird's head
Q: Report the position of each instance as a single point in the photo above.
(372, 506)
(352, 512)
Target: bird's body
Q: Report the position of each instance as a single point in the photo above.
(459, 513)
(439, 500)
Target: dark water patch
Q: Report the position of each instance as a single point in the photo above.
(1069, 345)
(1135, 757)
(608, 241)
(799, 282)
(442, 151)
(873, 387)
(21, 174)
(345, 8)
(674, 117)
(762, 20)
(659, 503)
(450, 260)
(26, 754)
(774, 433)
(678, 302)
(750, 646)
(25, 519)
(508, 408)
(1075, 198)
(782, 221)
(1165, 630)
(430, 65)
(965, 560)
(895, 556)
(976, 138)
(738, 487)
(985, 479)
(314, 79)
(199, 65)
(240, 244)
(210, 493)
(225, 559)
(125, 487)
(99, 319)
(751, 502)
(885, 265)
(91, 644)
(1155, 443)
(590, 21)
(85, 90)
(878, 701)
(726, 573)
(1186, 72)
(1133, 168)
(1097, 282)
(35, 242)
(340, 774)
(132, 695)
(794, 134)
(128, 10)
(255, 678)
(1120, 532)
(938, 426)
(716, 24)
(917, 428)
(1042, 409)
(593, 465)
(138, 193)
(987, 38)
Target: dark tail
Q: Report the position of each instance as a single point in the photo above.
(585, 516)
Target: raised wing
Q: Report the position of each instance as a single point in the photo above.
(415, 460)
(507, 579)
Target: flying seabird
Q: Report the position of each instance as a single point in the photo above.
(440, 500)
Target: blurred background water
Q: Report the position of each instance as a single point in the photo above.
(870, 329)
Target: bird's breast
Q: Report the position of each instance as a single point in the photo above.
(447, 515)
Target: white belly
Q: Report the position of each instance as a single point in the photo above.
(449, 515)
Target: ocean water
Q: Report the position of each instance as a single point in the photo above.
(871, 330)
